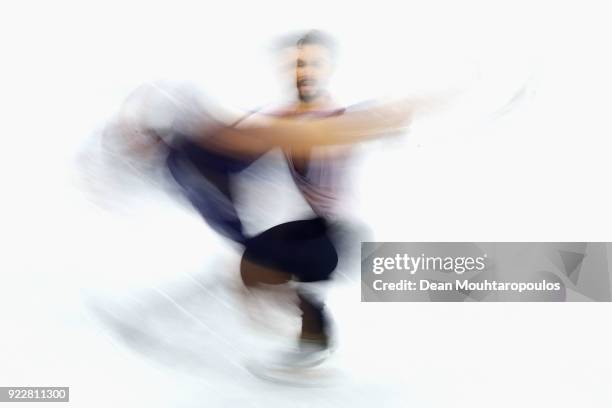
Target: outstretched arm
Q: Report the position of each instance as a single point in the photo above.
(263, 133)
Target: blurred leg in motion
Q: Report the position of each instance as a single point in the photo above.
(300, 251)
(206, 179)
(315, 322)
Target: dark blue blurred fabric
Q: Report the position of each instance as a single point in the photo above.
(206, 179)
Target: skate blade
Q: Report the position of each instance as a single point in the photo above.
(318, 376)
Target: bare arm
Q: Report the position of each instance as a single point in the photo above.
(302, 134)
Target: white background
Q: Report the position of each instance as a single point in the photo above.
(537, 171)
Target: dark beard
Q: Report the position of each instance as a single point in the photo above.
(307, 98)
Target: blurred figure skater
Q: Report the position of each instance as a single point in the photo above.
(304, 251)
(205, 155)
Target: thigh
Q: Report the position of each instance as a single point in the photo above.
(302, 249)
(254, 273)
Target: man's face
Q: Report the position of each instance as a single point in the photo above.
(313, 68)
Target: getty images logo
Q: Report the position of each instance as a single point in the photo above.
(414, 264)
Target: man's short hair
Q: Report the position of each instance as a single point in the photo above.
(300, 39)
(317, 37)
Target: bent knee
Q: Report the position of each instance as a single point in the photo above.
(253, 274)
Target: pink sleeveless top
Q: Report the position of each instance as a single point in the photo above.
(320, 177)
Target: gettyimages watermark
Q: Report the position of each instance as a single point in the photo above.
(486, 272)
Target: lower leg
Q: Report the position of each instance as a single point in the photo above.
(315, 323)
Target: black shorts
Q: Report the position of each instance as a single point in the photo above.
(302, 249)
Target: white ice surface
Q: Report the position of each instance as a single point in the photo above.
(141, 309)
